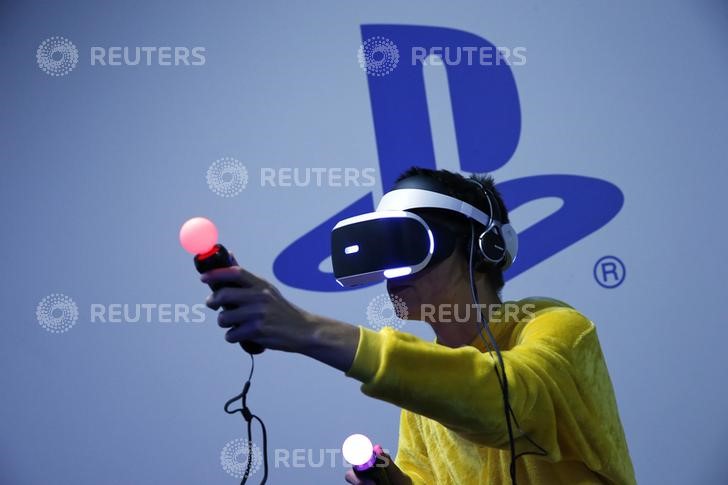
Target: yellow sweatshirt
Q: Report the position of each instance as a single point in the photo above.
(452, 425)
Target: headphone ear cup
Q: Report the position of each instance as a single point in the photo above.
(492, 246)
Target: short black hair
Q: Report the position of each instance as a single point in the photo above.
(463, 188)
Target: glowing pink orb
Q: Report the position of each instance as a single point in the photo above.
(198, 235)
(357, 449)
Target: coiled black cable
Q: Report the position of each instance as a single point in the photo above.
(249, 416)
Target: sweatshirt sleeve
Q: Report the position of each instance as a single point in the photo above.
(459, 387)
(412, 456)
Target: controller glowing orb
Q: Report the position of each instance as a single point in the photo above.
(198, 235)
(357, 449)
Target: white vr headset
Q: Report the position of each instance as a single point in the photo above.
(393, 241)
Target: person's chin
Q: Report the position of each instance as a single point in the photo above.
(398, 288)
(406, 293)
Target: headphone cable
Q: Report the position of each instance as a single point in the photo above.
(483, 324)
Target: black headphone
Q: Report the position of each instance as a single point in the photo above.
(490, 242)
(497, 241)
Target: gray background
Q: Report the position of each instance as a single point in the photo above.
(101, 166)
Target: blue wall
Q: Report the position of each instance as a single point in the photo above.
(100, 167)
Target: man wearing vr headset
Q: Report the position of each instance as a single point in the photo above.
(442, 241)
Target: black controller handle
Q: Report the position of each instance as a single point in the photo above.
(375, 472)
(219, 257)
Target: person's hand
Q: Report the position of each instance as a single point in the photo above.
(395, 476)
(258, 313)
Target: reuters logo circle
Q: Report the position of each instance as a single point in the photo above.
(387, 311)
(57, 313)
(57, 56)
(235, 455)
(378, 56)
(227, 177)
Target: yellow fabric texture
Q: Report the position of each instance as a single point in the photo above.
(452, 426)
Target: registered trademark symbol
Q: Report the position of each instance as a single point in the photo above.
(609, 271)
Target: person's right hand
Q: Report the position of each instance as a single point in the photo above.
(395, 476)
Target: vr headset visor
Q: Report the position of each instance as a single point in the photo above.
(393, 241)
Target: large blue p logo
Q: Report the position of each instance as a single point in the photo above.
(487, 119)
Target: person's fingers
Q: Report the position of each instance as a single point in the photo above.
(240, 316)
(351, 477)
(233, 275)
(243, 333)
(234, 296)
(394, 474)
